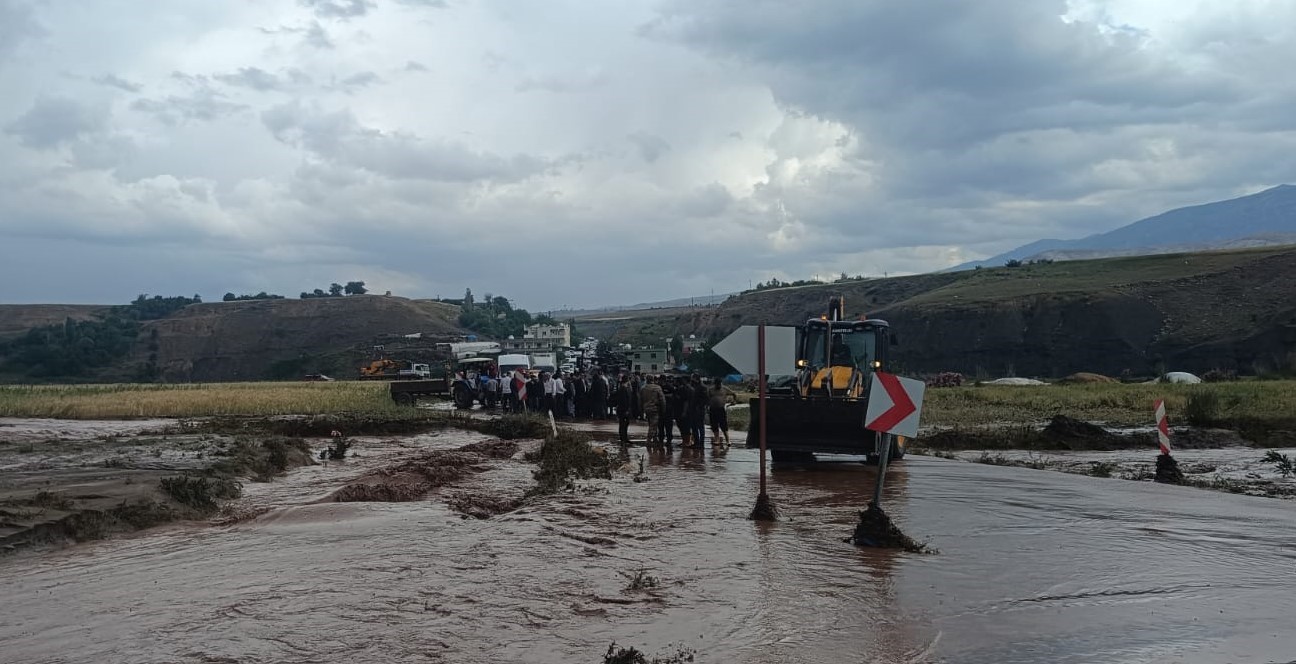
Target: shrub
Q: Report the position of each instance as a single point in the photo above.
(1202, 408)
(1281, 462)
(1219, 376)
(1102, 469)
(510, 427)
(946, 379)
(200, 493)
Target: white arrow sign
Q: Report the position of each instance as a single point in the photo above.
(894, 404)
(739, 350)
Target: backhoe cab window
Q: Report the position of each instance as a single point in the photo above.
(849, 347)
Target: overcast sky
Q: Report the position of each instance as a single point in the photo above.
(591, 153)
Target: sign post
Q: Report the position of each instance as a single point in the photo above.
(894, 407)
(762, 350)
(760, 395)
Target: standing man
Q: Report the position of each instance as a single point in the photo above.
(698, 411)
(719, 395)
(666, 425)
(580, 394)
(654, 403)
(624, 403)
(598, 395)
(681, 401)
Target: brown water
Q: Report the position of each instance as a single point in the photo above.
(1034, 566)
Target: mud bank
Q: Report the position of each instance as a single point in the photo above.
(1239, 470)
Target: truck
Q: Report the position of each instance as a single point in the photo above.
(465, 388)
(545, 362)
(822, 408)
(388, 369)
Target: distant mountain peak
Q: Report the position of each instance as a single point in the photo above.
(1265, 218)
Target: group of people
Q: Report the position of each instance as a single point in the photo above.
(664, 403)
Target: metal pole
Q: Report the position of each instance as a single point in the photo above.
(884, 456)
(760, 368)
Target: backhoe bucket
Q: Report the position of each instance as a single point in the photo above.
(811, 425)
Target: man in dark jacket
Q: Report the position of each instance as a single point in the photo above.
(666, 421)
(681, 400)
(581, 396)
(598, 395)
(697, 411)
(624, 401)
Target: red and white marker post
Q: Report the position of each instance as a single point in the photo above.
(1163, 426)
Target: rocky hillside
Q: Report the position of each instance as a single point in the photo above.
(1191, 312)
(16, 319)
(257, 339)
(262, 339)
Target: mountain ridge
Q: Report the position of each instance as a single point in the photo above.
(1265, 218)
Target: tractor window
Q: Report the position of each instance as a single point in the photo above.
(849, 348)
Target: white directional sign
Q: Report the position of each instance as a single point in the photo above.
(739, 350)
(894, 404)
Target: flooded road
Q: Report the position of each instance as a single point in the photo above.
(1033, 566)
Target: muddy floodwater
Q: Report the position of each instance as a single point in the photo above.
(1033, 566)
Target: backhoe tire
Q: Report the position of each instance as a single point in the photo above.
(403, 399)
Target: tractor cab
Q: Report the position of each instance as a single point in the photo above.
(836, 357)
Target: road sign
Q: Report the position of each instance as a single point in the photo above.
(739, 350)
(894, 404)
(1163, 426)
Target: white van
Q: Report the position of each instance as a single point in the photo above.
(510, 363)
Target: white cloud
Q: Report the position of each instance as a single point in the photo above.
(637, 150)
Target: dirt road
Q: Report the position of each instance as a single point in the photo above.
(1034, 566)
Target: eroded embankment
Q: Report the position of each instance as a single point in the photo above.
(90, 486)
(1210, 458)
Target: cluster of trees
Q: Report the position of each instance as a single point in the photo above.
(75, 348)
(230, 297)
(775, 282)
(1014, 262)
(495, 317)
(337, 290)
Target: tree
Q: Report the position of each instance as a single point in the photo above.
(545, 319)
(468, 300)
(677, 348)
(355, 288)
(319, 293)
(335, 289)
(230, 297)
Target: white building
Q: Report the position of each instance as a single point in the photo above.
(560, 334)
(649, 360)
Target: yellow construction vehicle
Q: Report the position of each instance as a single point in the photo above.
(822, 409)
(380, 369)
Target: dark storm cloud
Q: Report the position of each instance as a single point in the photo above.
(338, 136)
(114, 81)
(55, 121)
(946, 72)
(965, 107)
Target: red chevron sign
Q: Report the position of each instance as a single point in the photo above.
(894, 404)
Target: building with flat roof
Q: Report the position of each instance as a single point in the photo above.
(649, 360)
(559, 334)
(528, 345)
